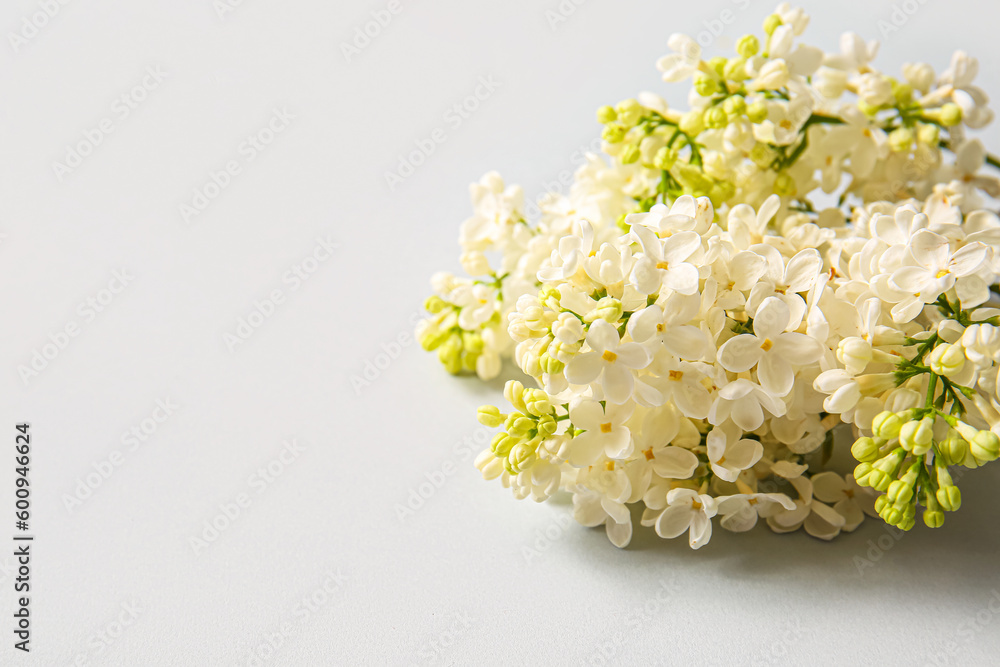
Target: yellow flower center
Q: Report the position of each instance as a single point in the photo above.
(609, 356)
(786, 124)
(942, 273)
(606, 427)
(662, 265)
(676, 376)
(610, 465)
(649, 454)
(695, 505)
(767, 344)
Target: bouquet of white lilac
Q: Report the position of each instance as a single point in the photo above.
(805, 249)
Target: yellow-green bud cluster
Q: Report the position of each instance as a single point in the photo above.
(894, 461)
(458, 349)
(524, 429)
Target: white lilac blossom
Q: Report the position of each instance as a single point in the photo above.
(805, 250)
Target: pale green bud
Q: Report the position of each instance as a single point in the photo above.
(886, 425)
(537, 402)
(864, 449)
(513, 391)
(705, 85)
(903, 92)
(631, 154)
(469, 360)
(550, 364)
(900, 139)
(547, 425)
(985, 446)
(862, 472)
(762, 155)
(692, 123)
(950, 114)
(614, 133)
(917, 436)
(520, 425)
(909, 521)
(608, 309)
(879, 480)
(881, 503)
(502, 443)
(490, 415)
(953, 450)
(735, 105)
(520, 457)
(892, 515)
(716, 118)
(736, 70)
(718, 64)
(929, 135)
(757, 112)
(472, 342)
(435, 304)
(431, 337)
(946, 359)
(606, 115)
(933, 518)
(747, 46)
(450, 354)
(868, 109)
(550, 296)
(900, 492)
(665, 158)
(771, 24)
(629, 112)
(950, 497)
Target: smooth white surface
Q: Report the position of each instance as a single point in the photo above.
(456, 571)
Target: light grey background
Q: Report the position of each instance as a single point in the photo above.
(470, 577)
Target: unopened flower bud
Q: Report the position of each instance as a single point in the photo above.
(929, 135)
(953, 450)
(608, 309)
(613, 133)
(705, 85)
(933, 518)
(900, 140)
(501, 444)
(665, 158)
(771, 24)
(946, 359)
(537, 402)
(629, 112)
(490, 415)
(735, 105)
(950, 498)
(748, 46)
(950, 114)
(900, 492)
(606, 115)
(886, 425)
(917, 436)
(757, 112)
(631, 154)
(865, 450)
(985, 447)
(692, 123)
(736, 70)
(716, 118)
